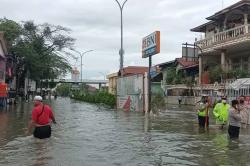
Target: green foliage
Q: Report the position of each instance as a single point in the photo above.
(37, 48)
(178, 78)
(171, 74)
(64, 90)
(12, 32)
(238, 73)
(84, 88)
(215, 74)
(158, 103)
(99, 97)
(174, 77)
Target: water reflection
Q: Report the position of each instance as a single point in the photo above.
(89, 134)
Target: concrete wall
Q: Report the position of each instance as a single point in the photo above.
(186, 100)
(130, 93)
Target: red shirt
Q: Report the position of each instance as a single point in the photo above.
(43, 118)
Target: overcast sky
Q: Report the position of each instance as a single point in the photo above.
(95, 25)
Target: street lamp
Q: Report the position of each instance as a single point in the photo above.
(81, 55)
(121, 52)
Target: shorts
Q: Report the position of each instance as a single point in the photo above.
(202, 121)
(42, 132)
(233, 132)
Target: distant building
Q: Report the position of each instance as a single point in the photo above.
(112, 82)
(127, 71)
(75, 75)
(226, 41)
(132, 70)
(187, 68)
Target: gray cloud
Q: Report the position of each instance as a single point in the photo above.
(96, 25)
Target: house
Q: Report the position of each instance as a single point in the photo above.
(183, 66)
(225, 45)
(177, 74)
(188, 68)
(112, 82)
(132, 70)
(126, 71)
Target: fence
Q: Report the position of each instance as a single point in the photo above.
(130, 93)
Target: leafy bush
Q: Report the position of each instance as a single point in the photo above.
(64, 90)
(99, 97)
(215, 74)
(158, 103)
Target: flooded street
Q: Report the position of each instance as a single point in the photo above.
(91, 135)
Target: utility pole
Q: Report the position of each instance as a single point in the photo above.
(121, 52)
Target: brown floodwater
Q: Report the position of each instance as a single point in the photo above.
(93, 135)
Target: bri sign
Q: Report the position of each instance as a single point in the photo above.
(151, 44)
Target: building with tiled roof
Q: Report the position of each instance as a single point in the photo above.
(226, 41)
(132, 70)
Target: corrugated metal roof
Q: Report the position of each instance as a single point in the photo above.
(202, 28)
(240, 83)
(183, 62)
(230, 8)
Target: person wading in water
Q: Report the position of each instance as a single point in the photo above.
(221, 112)
(42, 116)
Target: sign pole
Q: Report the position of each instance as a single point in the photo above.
(150, 47)
(149, 83)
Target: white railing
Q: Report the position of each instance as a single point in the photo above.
(205, 42)
(231, 33)
(224, 36)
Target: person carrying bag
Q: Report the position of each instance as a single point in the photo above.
(42, 116)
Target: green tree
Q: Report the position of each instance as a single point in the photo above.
(64, 90)
(38, 48)
(238, 73)
(215, 74)
(178, 78)
(158, 103)
(12, 32)
(171, 74)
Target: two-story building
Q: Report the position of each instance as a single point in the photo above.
(226, 41)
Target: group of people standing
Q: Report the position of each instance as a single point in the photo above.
(236, 115)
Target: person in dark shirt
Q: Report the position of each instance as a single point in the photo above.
(234, 120)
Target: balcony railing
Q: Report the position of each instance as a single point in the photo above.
(224, 36)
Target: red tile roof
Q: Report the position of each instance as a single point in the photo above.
(185, 63)
(130, 70)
